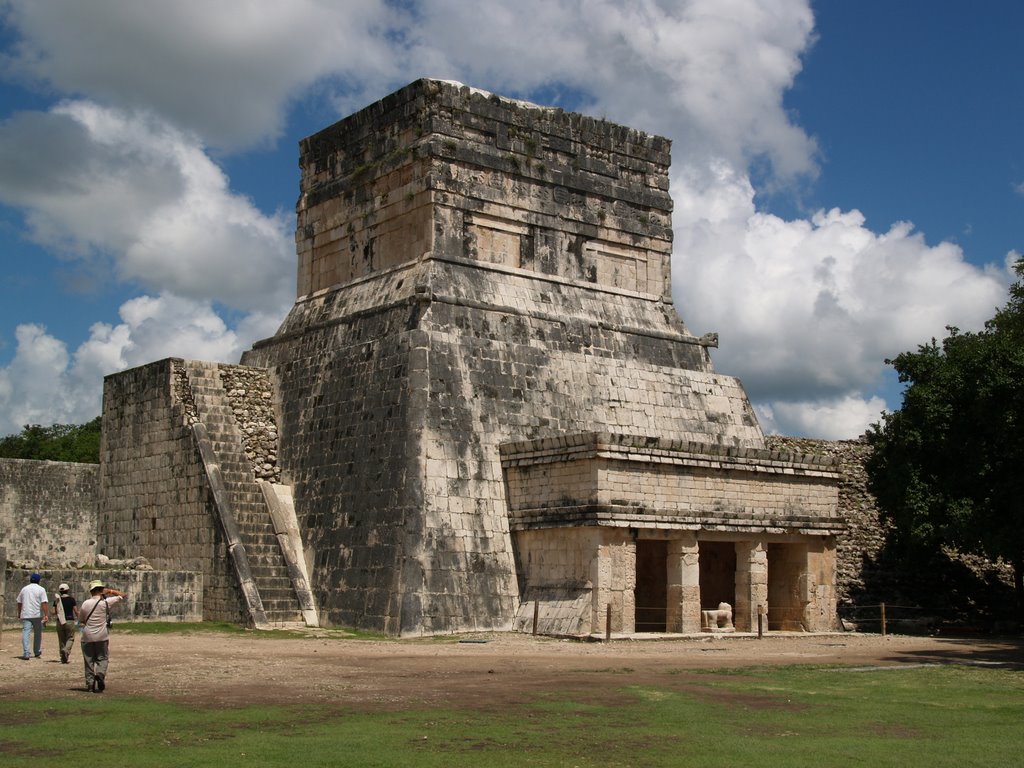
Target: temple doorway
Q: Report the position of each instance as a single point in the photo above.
(651, 590)
(717, 574)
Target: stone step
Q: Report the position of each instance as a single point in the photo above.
(279, 597)
(262, 536)
(290, 620)
(266, 569)
(265, 557)
(288, 624)
(263, 550)
(273, 579)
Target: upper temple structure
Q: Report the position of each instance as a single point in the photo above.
(483, 411)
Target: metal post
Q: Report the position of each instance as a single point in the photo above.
(760, 622)
(883, 619)
(536, 611)
(608, 623)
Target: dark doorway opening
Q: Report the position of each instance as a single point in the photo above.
(717, 574)
(651, 591)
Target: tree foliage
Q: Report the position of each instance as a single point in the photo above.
(947, 466)
(60, 442)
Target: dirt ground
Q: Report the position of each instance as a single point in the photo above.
(479, 671)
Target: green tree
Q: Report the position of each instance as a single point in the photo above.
(947, 466)
(59, 442)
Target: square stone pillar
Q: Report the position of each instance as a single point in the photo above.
(751, 584)
(613, 574)
(683, 585)
(821, 561)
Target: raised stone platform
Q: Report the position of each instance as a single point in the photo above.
(482, 406)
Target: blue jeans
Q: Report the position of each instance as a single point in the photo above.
(28, 627)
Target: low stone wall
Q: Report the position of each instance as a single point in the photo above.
(152, 595)
(48, 511)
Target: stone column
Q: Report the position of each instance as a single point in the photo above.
(821, 613)
(613, 574)
(683, 585)
(751, 584)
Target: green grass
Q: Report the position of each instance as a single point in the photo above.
(791, 717)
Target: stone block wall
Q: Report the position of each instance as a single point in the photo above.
(154, 497)
(717, 492)
(349, 446)
(440, 167)
(865, 534)
(391, 421)
(152, 595)
(559, 568)
(658, 482)
(822, 586)
(48, 512)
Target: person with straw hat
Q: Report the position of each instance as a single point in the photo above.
(95, 637)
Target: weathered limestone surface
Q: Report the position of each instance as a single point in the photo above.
(154, 499)
(777, 510)
(152, 595)
(48, 511)
(472, 270)
(624, 480)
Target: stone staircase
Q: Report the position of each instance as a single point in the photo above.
(269, 571)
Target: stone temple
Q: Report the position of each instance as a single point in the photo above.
(483, 411)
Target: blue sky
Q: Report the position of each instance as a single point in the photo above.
(848, 177)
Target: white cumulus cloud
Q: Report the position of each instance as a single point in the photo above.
(119, 178)
(808, 309)
(45, 384)
(129, 189)
(226, 70)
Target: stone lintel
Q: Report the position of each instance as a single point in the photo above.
(616, 516)
(658, 450)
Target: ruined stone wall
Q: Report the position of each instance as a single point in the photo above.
(251, 395)
(152, 595)
(48, 512)
(154, 499)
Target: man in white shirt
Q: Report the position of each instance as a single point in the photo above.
(34, 612)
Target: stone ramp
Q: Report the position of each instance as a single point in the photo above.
(274, 593)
